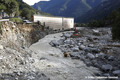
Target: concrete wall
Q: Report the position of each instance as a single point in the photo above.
(55, 22)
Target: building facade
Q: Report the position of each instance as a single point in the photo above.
(55, 22)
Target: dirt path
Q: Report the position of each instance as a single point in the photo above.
(50, 61)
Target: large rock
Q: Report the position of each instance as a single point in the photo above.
(107, 67)
(61, 41)
(75, 55)
(116, 72)
(91, 56)
(111, 58)
(75, 49)
(95, 50)
(68, 41)
(67, 35)
(82, 47)
(1, 47)
(101, 55)
(54, 43)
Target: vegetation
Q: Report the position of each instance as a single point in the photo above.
(16, 20)
(9, 6)
(93, 23)
(112, 20)
(18, 8)
(115, 22)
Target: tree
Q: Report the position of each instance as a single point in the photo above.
(2, 7)
(12, 7)
(26, 13)
(116, 26)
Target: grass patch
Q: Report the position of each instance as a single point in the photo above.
(16, 20)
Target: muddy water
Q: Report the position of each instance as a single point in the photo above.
(50, 61)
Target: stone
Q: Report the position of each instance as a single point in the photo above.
(90, 45)
(101, 55)
(96, 31)
(75, 49)
(54, 43)
(68, 41)
(106, 74)
(67, 35)
(87, 49)
(1, 47)
(82, 47)
(95, 50)
(107, 67)
(91, 56)
(111, 58)
(61, 41)
(116, 72)
(75, 55)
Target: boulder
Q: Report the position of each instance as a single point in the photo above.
(61, 41)
(82, 47)
(1, 47)
(116, 72)
(111, 58)
(91, 56)
(95, 50)
(100, 55)
(107, 67)
(68, 41)
(106, 74)
(75, 55)
(91, 45)
(54, 43)
(75, 49)
(87, 49)
(67, 35)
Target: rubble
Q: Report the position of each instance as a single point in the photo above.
(95, 45)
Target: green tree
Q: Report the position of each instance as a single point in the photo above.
(116, 26)
(2, 7)
(26, 13)
(12, 7)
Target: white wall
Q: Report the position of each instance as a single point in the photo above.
(55, 22)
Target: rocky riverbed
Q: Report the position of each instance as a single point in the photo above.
(59, 56)
(51, 61)
(94, 47)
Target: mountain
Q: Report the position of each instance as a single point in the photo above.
(100, 12)
(67, 8)
(24, 5)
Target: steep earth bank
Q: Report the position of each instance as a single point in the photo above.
(15, 57)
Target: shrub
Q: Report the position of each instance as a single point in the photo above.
(16, 20)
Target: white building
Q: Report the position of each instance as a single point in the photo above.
(55, 22)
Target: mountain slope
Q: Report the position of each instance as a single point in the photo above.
(100, 12)
(24, 5)
(67, 8)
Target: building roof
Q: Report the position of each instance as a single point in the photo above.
(53, 16)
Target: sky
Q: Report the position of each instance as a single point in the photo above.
(31, 2)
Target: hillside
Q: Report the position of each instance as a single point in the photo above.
(100, 12)
(67, 8)
(24, 5)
